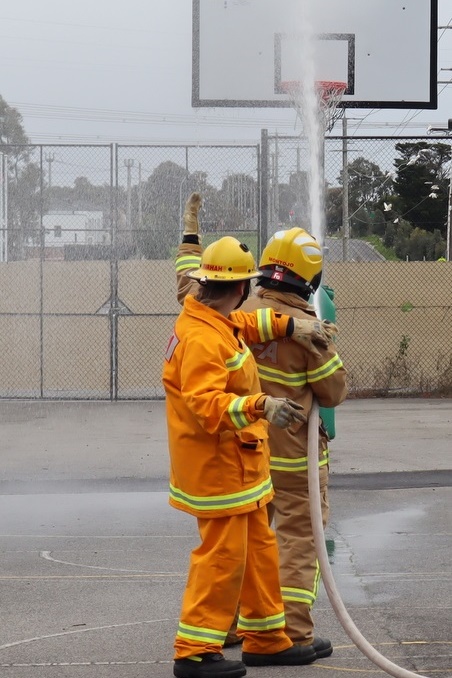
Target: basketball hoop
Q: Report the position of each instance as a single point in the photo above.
(329, 94)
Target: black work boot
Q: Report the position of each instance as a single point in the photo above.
(322, 647)
(293, 656)
(208, 666)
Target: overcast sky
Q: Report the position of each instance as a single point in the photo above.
(103, 70)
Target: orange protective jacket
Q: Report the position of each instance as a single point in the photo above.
(220, 460)
(286, 370)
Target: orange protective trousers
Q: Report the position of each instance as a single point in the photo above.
(236, 560)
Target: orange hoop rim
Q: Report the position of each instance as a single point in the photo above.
(325, 88)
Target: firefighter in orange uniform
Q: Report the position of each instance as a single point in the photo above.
(291, 267)
(220, 467)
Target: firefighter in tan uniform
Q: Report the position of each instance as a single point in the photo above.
(291, 265)
(220, 467)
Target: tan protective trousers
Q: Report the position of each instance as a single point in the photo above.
(236, 560)
(299, 568)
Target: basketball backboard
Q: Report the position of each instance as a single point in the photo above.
(385, 50)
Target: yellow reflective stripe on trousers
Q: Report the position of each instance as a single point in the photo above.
(264, 324)
(317, 579)
(276, 621)
(187, 261)
(200, 633)
(326, 370)
(222, 501)
(296, 465)
(295, 595)
(280, 377)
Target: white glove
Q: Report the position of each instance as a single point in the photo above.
(282, 412)
(308, 333)
(192, 207)
(330, 329)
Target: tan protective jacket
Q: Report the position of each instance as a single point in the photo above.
(285, 369)
(218, 441)
(288, 370)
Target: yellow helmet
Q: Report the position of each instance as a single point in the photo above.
(294, 257)
(226, 260)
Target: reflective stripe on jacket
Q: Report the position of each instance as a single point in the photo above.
(217, 438)
(289, 370)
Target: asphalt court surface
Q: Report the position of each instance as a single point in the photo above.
(93, 560)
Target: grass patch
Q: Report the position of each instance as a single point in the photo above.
(387, 252)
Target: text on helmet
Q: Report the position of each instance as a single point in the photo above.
(288, 264)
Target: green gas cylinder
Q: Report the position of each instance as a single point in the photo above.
(326, 310)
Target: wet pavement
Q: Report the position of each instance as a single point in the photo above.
(93, 560)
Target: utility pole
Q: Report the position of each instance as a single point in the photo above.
(140, 198)
(447, 131)
(3, 207)
(129, 164)
(449, 220)
(50, 157)
(345, 217)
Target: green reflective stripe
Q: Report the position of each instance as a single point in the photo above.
(326, 370)
(298, 595)
(222, 501)
(236, 412)
(324, 462)
(188, 261)
(280, 377)
(264, 324)
(317, 579)
(236, 362)
(200, 633)
(295, 465)
(276, 621)
(292, 465)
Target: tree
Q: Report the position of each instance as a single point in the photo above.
(238, 202)
(402, 238)
(161, 204)
(11, 130)
(22, 182)
(360, 223)
(333, 209)
(367, 184)
(421, 167)
(378, 222)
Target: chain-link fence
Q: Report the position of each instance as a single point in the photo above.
(383, 196)
(87, 242)
(88, 236)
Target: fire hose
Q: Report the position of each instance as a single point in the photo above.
(327, 576)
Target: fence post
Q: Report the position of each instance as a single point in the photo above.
(345, 218)
(263, 189)
(114, 184)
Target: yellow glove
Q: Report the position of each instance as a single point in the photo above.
(310, 333)
(283, 412)
(192, 207)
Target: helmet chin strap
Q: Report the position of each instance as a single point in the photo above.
(245, 295)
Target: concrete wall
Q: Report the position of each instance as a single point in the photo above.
(395, 322)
